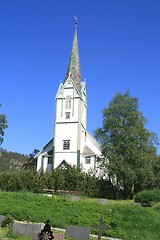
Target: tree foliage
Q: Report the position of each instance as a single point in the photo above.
(148, 197)
(3, 126)
(129, 146)
(155, 183)
(31, 162)
(70, 179)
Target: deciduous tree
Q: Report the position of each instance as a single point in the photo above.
(129, 146)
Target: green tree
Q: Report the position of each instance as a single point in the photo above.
(3, 126)
(155, 183)
(129, 146)
(31, 162)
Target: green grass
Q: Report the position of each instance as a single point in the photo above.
(5, 233)
(125, 221)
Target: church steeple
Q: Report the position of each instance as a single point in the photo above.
(73, 70)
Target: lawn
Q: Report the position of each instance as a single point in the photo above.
(125, 221)
(5, 233)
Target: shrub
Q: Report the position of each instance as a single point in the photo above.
(156, 206)
(7, 221)
(148, 197)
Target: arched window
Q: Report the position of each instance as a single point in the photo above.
(68, 101)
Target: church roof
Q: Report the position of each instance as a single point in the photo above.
(46, 149)
(87, 151)
(73, 70)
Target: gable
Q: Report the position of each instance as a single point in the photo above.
(87, 151)
(69, 83)
(48, 148)
(63, 165)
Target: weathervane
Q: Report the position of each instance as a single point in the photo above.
(76, 21)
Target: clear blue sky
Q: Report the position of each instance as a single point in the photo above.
(119, 47)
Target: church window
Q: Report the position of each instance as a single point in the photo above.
(66, 144)
(49, 160)
(68, 101)
(67, 115)
(87, 160)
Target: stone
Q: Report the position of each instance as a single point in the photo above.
(75, 232)
(75, 198)
(136, 203)
(1, 219)
(102, 201)
(26, 229)
(58, 236)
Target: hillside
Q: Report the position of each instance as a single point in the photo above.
(11, 160)
(125, 221)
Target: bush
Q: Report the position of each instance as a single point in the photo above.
(7, 221)
(148, 197)
(156, 206)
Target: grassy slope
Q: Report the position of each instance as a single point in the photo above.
(124, 220)
(5, 233)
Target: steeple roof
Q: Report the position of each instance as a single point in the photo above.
(73, 70)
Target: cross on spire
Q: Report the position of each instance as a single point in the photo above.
(76, 21)
(100, 228)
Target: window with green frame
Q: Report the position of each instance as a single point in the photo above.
(49, 160)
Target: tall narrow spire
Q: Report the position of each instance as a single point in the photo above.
(73, 70)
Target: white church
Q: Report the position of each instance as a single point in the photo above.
(71, 144)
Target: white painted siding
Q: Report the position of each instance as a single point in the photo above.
(42, 162)
(70, 158)
(66, 131)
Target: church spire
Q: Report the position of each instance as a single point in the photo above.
(73, 70)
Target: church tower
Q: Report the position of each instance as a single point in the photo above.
(71, 144)
(70, 113)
